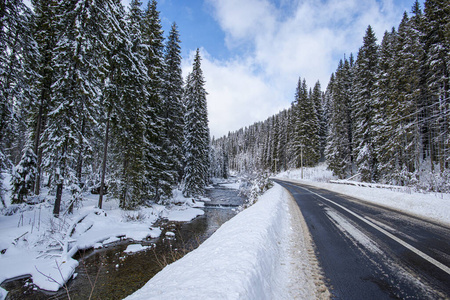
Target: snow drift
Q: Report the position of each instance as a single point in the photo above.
(246, 258)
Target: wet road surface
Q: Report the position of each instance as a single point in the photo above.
(369, 252)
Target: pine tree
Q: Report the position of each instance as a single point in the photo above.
(400, 156)
(340, 136)
(160, 172)
(385, 105)
(15, 18)
(124, 103)
(23, 177)
(305, 138)
(196, 132)
(317, 99)
(172, 101)
(45, 34)
(363, 103)
(437, 48)
(275, 133)
(72, 104)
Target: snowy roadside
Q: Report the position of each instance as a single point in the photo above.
(261, 253)
(34, 243)
(431, 206)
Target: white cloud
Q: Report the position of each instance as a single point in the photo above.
(236, 96)
(294, 38)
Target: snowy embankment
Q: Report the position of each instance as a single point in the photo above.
(261, 253)
(33, 243)
(431, 206)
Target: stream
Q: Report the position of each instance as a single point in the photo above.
(117, 274)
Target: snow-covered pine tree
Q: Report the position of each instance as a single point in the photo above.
(124, 103)
(73, 102)
(15, 18)
(196, 132)
(385, 106)
(305, 139)
(275, 141)
(425, 106)
(363, 102)
(317, 99)
(15, 41)
(339, 141)
(437, 48)
(23, 176)
(173, 102)
(160, 171)
(45, 35)
(398, 116)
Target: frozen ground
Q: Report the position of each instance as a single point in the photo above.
(34, 243)
(262, 253)
(259, 254)
(265, 252)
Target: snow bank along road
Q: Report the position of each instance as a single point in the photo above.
(370, 252)
(255, 255)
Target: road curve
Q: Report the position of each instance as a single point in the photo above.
(370, 252)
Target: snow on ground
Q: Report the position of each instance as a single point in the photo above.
(133, 248)
(34, 243)
(431, 206)
(255, 255)
(265, 252)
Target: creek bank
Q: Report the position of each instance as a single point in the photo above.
(118, 273)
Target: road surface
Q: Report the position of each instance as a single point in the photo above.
(369, 252)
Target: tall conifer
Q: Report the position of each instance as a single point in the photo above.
(196, 132)
(363, 104)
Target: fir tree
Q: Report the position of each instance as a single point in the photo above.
(305, 138)
(196, 132)
(159, 169)
(363, 103)
(45, 34)
(124, 103)
(73, 99)
(340, 136)
(14, 39)
(172, 100)
(23, 177)
(317, 99)
(437, 48)
(385, 104)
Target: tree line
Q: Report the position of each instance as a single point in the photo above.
(92, 95)
(384, 116)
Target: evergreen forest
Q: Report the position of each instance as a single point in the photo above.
(383, 117)
(93, 99)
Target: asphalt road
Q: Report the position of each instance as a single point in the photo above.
(370, 252)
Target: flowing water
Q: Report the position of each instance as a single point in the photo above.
(116, 274)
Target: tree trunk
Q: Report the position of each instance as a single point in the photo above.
(105, 152)
(57, 206)
(37, 138)
(80, 154)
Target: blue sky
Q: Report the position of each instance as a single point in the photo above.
(254, 51)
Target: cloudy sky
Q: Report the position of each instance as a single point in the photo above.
(254, 51)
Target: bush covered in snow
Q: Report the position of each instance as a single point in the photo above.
(254, 186)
